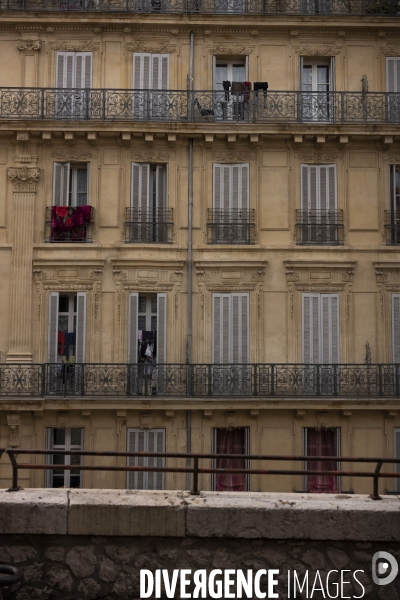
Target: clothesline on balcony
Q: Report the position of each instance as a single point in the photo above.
(66, 218)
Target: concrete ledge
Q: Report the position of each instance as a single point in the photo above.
(34, 511)
(210, 515)
(126, 512)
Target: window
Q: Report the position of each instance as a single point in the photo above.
(151, 74)
(69, 438)
(322, 442)
(67, 328)
(70, 184)
(229, 220)
(232, 440)
(319, 221)
(230, 328)
(392, 219)
(145, 440)
(396, 327)
(321, 329)
(317, 84)
(149, 220)
(397, 455)
(229, 75)
(147, 328)
(393, 88)
(74, 76)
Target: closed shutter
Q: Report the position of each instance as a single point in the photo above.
(53, 328)
(396, 327)
(150, 71)
(332, 74)
(156, 443)
(231, 187)
(217, 186)
(321, 339)
(83, 70)
(140, 187)
(309, 188)
(162, 328)
(61, 66)
(133, 328)
(136, 443)
(61, 175)
(393, 74)
(80, 327)
(230, 328)
(397, 455)
(161, 187)
(245, 204)
(327, 188)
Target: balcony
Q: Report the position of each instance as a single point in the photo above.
(149, 226)
(201, 380)
(69, 224)
(251, 107)
(351, 8)
(392, 228)
(230, 226)
(319, 227)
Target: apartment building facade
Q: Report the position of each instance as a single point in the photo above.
(199, 234)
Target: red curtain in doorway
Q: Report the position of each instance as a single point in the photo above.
(322, 442)
(231, 441)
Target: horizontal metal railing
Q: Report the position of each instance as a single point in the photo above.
(392, 228)
(230, 226)
(81, 233)
(200, 380)
(195, 468)
(319, 227)
(256, 106)
(387, 8)
(153, 226)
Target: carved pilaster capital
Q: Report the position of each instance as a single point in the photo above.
(28, 44)
(24, 179)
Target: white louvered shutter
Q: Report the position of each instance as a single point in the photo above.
(397, 455)
(230, 328)
(159, 72)
(61, 176)
(136, 443)
(329, 328)
(327, 188)
(65, 76)
(140, 187)
(240, 328)
(332, 74)
(245, 204)
(52, 345)
(396, 327)
(393, 74)
(216, 332)
(162, 328)
(80, 327)
(304, 187)
(311, 328)
(161, 187)
(156, 443)
(60, 69)
(83, 70)
(142, 71)
(133, 328)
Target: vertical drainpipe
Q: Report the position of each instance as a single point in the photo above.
(190, 265)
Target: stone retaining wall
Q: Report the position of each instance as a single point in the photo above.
(91, 544)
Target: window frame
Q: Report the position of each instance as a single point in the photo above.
(338, 454)
(67, 458)
(68, 183)
(246, 451)
(145, 461)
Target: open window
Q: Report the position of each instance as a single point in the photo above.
(229, 77)
(317, 85)
(145, 440)
(322, 442)
(392, 217)
(230, 440)
(64, 438)
(67, 328)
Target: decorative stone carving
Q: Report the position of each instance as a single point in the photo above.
(13, 422)
(319, 288)
(68, 286)
(153, 48)
(28, 44)
(393, 50)
(318, 157)
(392, 158)
(292, 275)
(24, 179)
(96, 274)
(39, 275)
(307, 50)
(232, 157)
(119, 275)
(176, 276)
(232, 49)
(381, 276)
(347, 275)
(76, 46)
(257, 275)
(150, 156)
(73, 155)
(202, 276)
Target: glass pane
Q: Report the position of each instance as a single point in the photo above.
(142, 304)
(58, 481)
(63, 323)
(154, 304)
(81, 180)
(75, 302)
(75, 481)
(221, 74)
(142, 323)
(153, 323)
(238, 73)
(57, 459)
(76, 436)
(63, 303)
(59, 437)
(75, 460)
(307, 78)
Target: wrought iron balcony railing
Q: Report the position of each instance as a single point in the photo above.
(201, 380)
(392, 228)
(63, 228)
(181, 106)
(319, 227)
(152, 226)
(239, 7)
(230, 226)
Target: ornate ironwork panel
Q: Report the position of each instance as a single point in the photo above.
(105, 380)
(149, 226)
(21, 380)
(233, 380)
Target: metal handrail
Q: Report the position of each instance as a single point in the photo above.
(182, 106)
(12, 453)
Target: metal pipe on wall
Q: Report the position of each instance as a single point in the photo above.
(190, 262)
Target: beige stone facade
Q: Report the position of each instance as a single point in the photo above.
(327, 144)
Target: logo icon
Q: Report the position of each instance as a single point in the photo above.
(384, 563)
